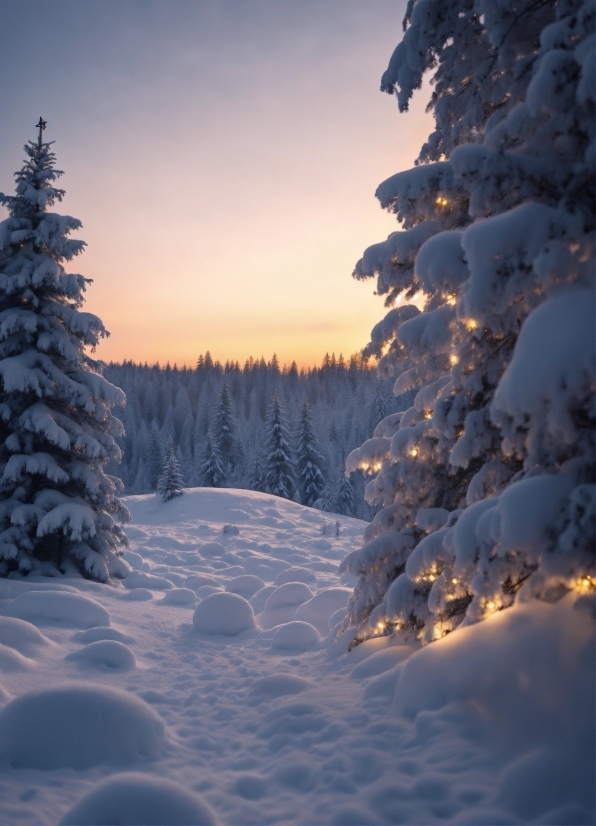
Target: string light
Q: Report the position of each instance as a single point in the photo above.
(441, 201)
(451, 299)
(471, 324)
(414, 452)
(453, 359)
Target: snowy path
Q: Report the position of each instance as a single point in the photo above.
(284, 730)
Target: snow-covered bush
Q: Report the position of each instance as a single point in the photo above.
(487, 482)
(58, 508)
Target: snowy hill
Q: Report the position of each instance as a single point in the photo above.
(210, 685)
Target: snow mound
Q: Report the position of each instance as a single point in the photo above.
(259, 599)
(101, 633)
(179, 596)
(212, 549)
(106, 655)
(290, 593)
(57, 608)
(196, 581)
(278, 685)
(141, 579)
(11, 660)
(296, 575)
(382, 661)
(295, 636)
(138, 799)
(22, 636)
(225, 614)
(318, 610)
(78, 726)
(138, 595)
(246, 585)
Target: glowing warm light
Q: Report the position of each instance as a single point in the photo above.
(451, 299)
(428, 414)
(453, 358)
(381, 626)
(471, 324)
(441, 201)
(414, 452)
(454, 581)
(585, 584)
(375, 467)
(432, 577)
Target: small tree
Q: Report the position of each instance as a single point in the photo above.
(171, 482)
(210, 472)
(58, 507)
(280, 474)
(309, 459)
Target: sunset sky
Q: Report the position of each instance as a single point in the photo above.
(223, 158)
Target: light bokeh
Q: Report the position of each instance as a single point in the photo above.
(223, 158)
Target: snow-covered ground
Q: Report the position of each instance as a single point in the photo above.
(210, 686)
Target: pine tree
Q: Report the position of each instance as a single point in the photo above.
(308, 459)
(327, 501)
(211, 474)
(154, 458)
(171, 481)
(257, 474)
(58, 507)
(280, 474)
(226, 435)
(486, 482)
(344, 496)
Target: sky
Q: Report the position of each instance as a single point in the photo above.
(223, 158)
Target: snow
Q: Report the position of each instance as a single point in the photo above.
(146, 717)
(227, 614)
(68, 727)
(57, 607)
(295, 636)
(105, 655)
(136, 799)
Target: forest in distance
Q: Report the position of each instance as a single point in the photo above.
(189, 406)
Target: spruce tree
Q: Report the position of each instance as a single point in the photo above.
(58, 507)
(486, 483)
(280, 474)
(309, 460)
(170, 482)
(211, 474)
(154, 462)
(344, 496)
(226, 435)
(257, 474)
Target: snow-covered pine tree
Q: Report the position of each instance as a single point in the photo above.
(309, 460)
(257, 474)
(171, 481)
(486, 482)
(154, 458)
(326, 501)
(280, 473)
(226, 435)
(58, 508)
(211, 474)
(344, 496)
